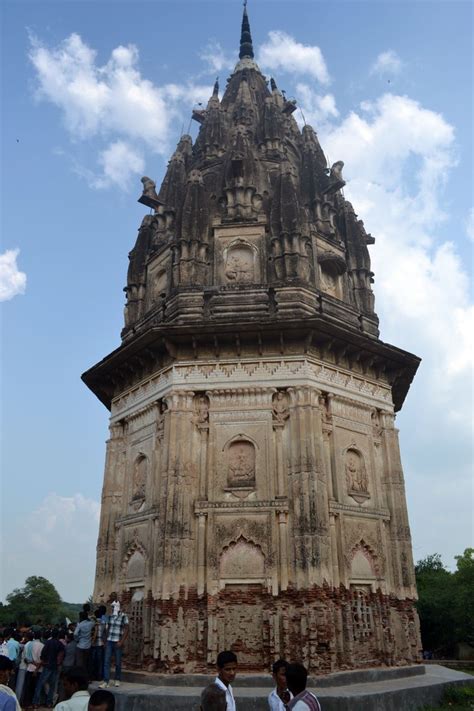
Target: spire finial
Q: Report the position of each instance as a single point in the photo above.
(246, 47)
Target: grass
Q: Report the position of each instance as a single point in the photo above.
(455, 698)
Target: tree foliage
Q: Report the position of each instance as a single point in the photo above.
(446, 602)
(37, 600)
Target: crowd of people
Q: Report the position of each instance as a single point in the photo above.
(52, 666)
(289, 694)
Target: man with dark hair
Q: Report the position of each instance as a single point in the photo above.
(75, 683)
(52, 656)
(102, 700)
(281, 696)
(116, 634)
(8, 700)
(83, 637)
(296, 678)
(218, 696)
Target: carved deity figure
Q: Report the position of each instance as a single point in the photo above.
(239, 266)
(202, 409)
(280, 407)
(329, 282)
(356, 475)
(139, 478)
(241, 464)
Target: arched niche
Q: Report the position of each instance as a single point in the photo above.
(242, 560)
(140, 476)
(364, 568)
(357, 481)
(135, 566)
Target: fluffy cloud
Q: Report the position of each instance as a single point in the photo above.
(60, 535)
(216, 58)
(387, 64)
(120, 162)
(113, 103)
(12, 281)
(397, 156)
(282, 52)
(317, 108)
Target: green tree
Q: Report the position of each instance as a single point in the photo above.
(436, 591)
(38, 600)
(464, 596)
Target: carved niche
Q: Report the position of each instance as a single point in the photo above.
(201, 410)
(241, 460)
(242, 560)
(240, 263)
(357, 480)
(280, 408)
(139, 481)
(135, 569)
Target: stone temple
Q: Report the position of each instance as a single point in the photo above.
(253, 495)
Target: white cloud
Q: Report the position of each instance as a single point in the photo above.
(216, 58)
(317, 108)
(112, 102)
(397, 157)
(282, 52)
(387, 64)
(470, 224)
(120, 162)
(12, 281)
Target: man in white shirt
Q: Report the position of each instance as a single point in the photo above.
(75, 683)
(303, 700)
(219, 696)
(281, 696)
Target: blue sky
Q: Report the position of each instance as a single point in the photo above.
(94, 95)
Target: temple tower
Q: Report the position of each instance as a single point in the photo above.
(253, 494)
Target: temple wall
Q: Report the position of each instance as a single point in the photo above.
(258, 505)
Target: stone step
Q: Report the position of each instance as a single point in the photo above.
(390, 692)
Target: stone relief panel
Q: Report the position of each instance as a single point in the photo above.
(240, 263)
(242, 560)
(139, 481)
(201, 410)
(357, 481)
(330, 282)
(241, 464)
(239, 256)
(158, 280)
(280, 407)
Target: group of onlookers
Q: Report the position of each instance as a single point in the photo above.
(289, 694)
(42, 664)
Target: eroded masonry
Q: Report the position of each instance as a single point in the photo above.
(253, 494)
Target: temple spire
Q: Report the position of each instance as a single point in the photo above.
(246, 47)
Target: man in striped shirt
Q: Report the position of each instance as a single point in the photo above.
(303, 700)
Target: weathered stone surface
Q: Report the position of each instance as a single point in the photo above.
(253, 494)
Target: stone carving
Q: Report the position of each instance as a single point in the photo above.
(356, 475)
(201, 409)
(280, 407)
(329, 282)
(239, 267)
(241, 463)
(149, 196)
(140, 472)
